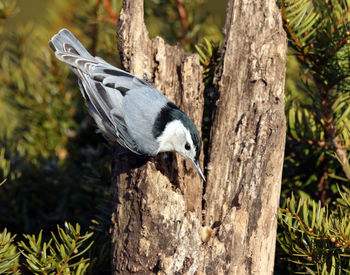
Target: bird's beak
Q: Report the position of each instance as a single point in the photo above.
(198, 168)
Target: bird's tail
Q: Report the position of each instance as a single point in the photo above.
(65, 41)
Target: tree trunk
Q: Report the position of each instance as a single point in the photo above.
(162, 210)
(247, 141)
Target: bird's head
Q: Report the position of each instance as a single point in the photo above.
(176, 132)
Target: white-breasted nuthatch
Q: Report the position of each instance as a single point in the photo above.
(126, 108)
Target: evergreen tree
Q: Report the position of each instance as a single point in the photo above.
(315, 234)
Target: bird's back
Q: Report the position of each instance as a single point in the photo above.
(123, 106)
(141, 107)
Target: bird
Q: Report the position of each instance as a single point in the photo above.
(126, 108)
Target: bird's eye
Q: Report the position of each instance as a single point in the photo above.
(187, 146)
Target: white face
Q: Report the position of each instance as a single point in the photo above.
(177, 138)
(184, 144)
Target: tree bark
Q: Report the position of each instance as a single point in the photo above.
(164, 219)
(246, 150)
(157, 204)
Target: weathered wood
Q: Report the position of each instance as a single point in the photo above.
(158, 217)
(247, 141)
(157, 211)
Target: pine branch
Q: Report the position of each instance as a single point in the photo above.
(314, 237)
(291, 33)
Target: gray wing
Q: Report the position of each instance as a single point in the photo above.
(105, 89)
(102, 106)
(141, 108)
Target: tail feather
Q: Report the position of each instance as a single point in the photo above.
(64, 37)
(77, 61)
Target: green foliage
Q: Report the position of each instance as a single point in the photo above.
(317, 96)
(5, 166)
(7, 8)
(184, 21)
(319, 36)
(8, 254)
(316, 237)
(56, 167)
(58, 255)
(38, 94)
(61, 255)
(209, 57)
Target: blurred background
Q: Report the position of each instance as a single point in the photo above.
(55, 168)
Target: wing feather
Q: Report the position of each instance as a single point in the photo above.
(105, 88)
(112, 126)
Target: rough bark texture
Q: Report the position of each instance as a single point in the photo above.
(158, 217)
(247, 141)
(157, 213)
